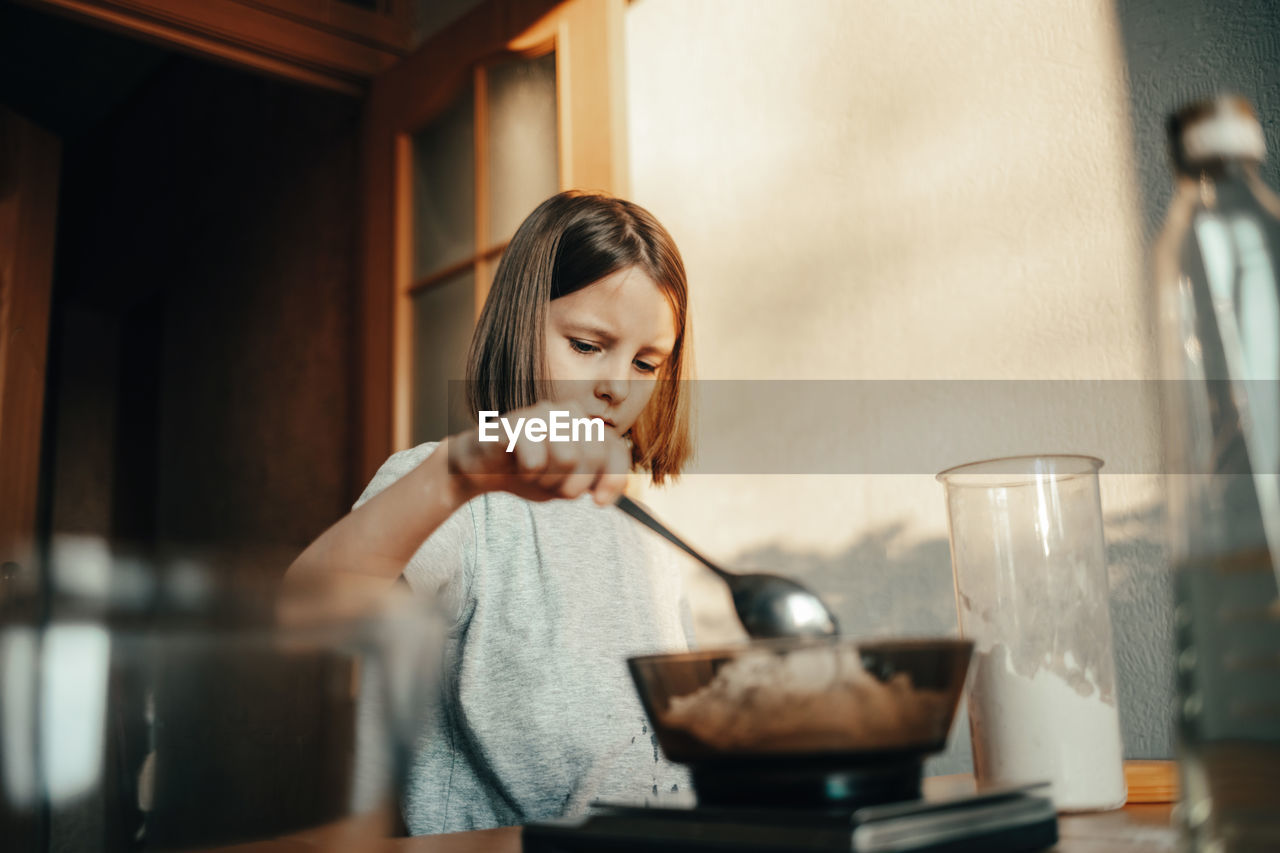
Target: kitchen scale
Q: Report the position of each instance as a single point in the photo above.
(862, 794)
(994, 821)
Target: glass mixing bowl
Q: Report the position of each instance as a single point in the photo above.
(805, 721)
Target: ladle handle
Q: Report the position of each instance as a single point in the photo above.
(637, 512)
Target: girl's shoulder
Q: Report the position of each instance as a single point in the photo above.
(409, 459)
(397, 465)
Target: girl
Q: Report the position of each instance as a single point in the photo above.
(547, 598)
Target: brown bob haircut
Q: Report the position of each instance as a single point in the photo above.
(572, 240)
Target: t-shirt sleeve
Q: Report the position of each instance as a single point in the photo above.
(443, 564)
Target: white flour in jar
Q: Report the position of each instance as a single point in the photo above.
(808, 700)
(1045, 729)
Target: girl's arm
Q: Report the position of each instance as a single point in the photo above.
(373, 543)
(376, 540)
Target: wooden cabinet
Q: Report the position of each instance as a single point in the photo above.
(542, 83)
(29, 172)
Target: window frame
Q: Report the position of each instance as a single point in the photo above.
(487, 248)
(587, 37)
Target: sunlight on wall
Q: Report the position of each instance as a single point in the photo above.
(907, 190)
(889, 191)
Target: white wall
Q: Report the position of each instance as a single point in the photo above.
(912, 190)
(888, 191)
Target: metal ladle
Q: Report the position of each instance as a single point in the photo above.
(768, 606)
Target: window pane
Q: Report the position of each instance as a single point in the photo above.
(444, 198)
(443, 318)
(524, 167)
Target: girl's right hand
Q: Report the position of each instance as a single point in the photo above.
(541, 470)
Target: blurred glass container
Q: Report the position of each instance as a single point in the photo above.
(1217, 298)
(180, 702)
(1029, 560)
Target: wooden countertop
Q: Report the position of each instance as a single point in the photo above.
(1133, 829)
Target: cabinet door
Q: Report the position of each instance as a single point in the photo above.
(29, 161)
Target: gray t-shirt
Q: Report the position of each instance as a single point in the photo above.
(539, 716)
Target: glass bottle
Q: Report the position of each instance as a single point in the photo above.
(1218, 308)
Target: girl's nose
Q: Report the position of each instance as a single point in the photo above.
(612, 390)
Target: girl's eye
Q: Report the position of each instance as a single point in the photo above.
(645, 367)
(582, 346)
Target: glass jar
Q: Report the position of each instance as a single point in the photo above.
(1029, 561)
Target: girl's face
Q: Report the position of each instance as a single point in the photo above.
(607, 343)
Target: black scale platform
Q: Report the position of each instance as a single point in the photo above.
(798, 809)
